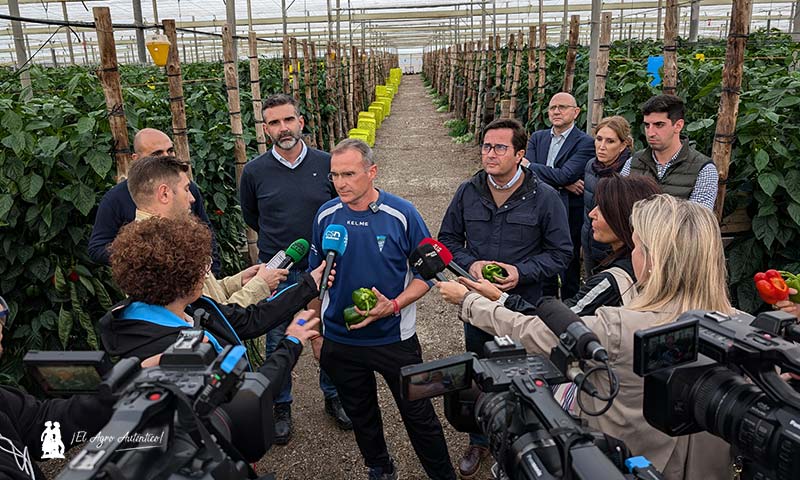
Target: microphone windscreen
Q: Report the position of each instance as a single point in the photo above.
(297, 250)
(443, 252)
(426, 261)
(556, 315)
(334, 239)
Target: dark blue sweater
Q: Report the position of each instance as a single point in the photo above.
(117, 209)
(280, 203)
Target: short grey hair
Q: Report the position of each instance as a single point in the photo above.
(357, 145)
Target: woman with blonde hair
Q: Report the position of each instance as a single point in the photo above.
(679, 264)
(612, 146)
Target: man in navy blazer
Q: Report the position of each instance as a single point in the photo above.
(558, 156)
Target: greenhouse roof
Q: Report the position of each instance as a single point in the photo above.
(405, 25)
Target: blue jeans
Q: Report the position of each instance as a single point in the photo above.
(274, 337)
(474, 338)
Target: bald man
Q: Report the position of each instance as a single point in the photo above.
(558, 156)
(117, 207)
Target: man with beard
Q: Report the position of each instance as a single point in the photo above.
(280, 192)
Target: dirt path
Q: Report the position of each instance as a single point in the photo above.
(416, 160)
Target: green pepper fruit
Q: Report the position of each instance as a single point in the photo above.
(792, 281)
(365, 299)
(493, 272)
(351, 316)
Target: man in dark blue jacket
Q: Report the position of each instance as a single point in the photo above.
(505, 215)
(117, 207)
(558, 156)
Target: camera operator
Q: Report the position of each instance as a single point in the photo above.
(679, 263)
(23, 417)
(161, 264)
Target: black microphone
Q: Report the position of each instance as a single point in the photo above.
(447, 257)
(565, 323)
(427, 262)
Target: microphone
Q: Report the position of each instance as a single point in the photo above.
(294, 253)
(569, 327)
(447, 257)
(276, 260)
(334, 243)
(427, 262)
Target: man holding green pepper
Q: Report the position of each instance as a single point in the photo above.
(375, 281)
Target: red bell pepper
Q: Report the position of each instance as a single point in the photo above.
(771, 286)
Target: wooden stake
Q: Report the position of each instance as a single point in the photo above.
(315, 96)
(286, 85)
(517, 70)
(480, 94)
(351, 100)
(542, 61)
(724, 135)
(235, 111)
(511, 47)
(670, 78)
(176, 103)
(295, 69)
(572, 52)
(108, 73)
(255, 89)
(330, 89)
(531, 66)
(310, 108)
(451, 51)
(602, 70)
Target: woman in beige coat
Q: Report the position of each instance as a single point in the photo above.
(679, 263)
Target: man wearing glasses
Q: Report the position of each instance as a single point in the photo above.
(280, 191)
(382, 231)
(117, 207)
(558, 156)
(506, 215)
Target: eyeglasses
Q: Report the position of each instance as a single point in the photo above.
(333, 176)
(560, 108)
(499, 148)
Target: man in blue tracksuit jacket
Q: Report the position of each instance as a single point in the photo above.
(382, 231)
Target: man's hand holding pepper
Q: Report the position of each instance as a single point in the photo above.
(476, 269)
(789, 306)
(382, 309)
(511, 280)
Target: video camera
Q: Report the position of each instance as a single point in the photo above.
(684, 394)
(197, 415)
(530, 435)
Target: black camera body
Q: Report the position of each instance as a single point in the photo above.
(530, 435)
(759, 415)
(196, 415)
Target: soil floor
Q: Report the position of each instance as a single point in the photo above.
(418, 161)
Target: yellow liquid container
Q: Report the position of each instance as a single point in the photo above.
(158, 46)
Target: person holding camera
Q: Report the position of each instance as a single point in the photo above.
(24, 419)
(679, 264)
(161, 265)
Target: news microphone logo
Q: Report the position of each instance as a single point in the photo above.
(447, 257)
(334, 243)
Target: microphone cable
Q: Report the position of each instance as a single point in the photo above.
(613, 385)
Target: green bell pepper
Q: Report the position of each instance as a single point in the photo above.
(792, 281)
(351, 316)
(364, 299)
(493, 272)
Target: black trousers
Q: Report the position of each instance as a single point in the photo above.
(352, 369)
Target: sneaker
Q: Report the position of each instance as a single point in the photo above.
(333, 407)
(283, 423)
(377, 473)
(470, 463)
